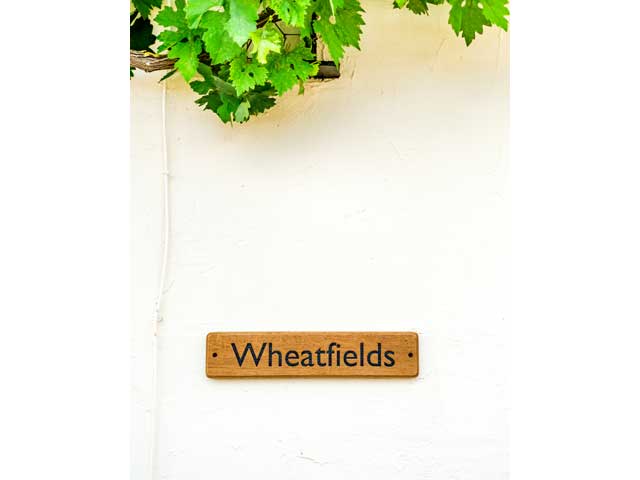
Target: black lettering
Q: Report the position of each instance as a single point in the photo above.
(353, 355)
(388, 355)
(361, 354)
(377, 352)
(308, 357)
(276, 352)
(330, 352)
(248, 348)
(319, 353)
(289, 356)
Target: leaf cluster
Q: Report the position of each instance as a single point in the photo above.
(239, 55)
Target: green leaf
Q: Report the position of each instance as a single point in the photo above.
(291, 12)
(496, 12)
(217, 42)
(197, 8)
(210, 101)
(290, 68)
(264, 41)
(245, 75)
(228, 107)
(145, 6)
(141, 34)
(225, 88)
(418, 7)
(236, 84)
(305, 28)
(261, 99)
(167, 75)
(210, 81)
(223, 105)
(217, 82)
(336, 4)
(339, 30)
(169, 38)
(466, 18)
(242, 112)
(242, 19)
(187, 54)
(168, 17)
(176, 20)
(201, 86)
(217, 95)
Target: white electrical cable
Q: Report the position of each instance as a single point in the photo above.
(165, 219)
(163, 273)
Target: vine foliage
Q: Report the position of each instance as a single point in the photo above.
(240, 55)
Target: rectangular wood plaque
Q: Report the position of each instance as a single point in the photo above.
(311, 354)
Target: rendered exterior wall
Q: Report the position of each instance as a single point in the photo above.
(373, 202)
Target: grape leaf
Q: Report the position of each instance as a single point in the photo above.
(418, 7)
(223, 105)
(141, 35)
(167, 75)
(466, 18)
(169, 38)
(290, 68)
(350, 18)
(336, 4)
(496, 11)
(145, 6)
(217, 42)
(242, 19)
(210, 101)
(168, 17)
(260, 99)
(264, 41)
(228, 107)
(422, 6)
(343, 31)
(245, 75)
(217, 95)
(207, 82)
(242, 112)
(197, 8)
(237, 85)
(187, 54)
(210, 82)
(224, 87)
(291, 11)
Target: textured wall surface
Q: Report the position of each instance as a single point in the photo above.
(374, 202)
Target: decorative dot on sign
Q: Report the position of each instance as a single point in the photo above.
(410, 354)
(215, 354)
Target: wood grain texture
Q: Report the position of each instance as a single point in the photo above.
(310, 354)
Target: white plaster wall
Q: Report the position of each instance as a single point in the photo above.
(374, 202)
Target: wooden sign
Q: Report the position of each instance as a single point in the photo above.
(310, 354)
